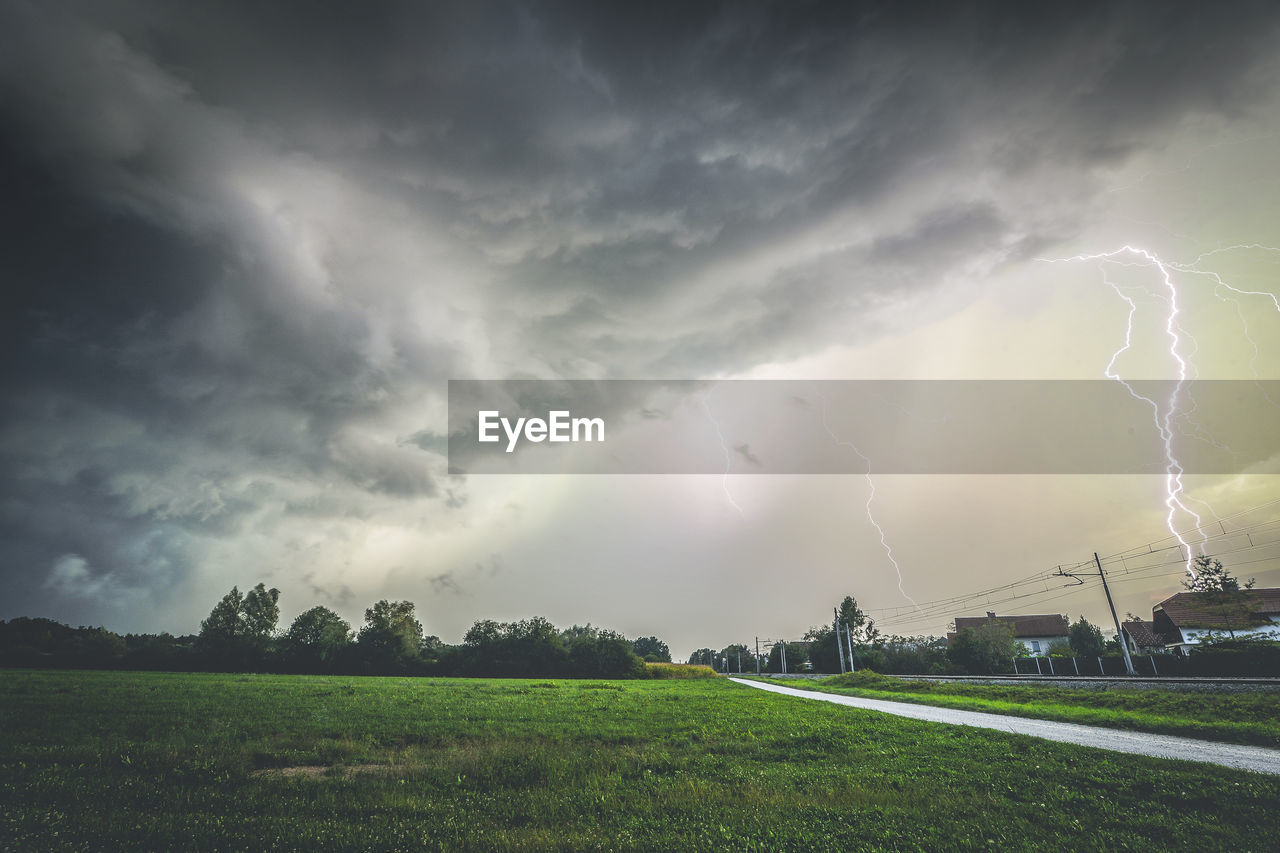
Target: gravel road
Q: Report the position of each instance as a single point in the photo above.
(1256, 758)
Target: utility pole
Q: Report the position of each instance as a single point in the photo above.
(739, 660)
(757, 656)
(839, 645)
(1124, 647)
(849, 638)
(783, 644)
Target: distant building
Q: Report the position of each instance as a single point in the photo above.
(1142, 637)
(1037, 632)
(1184, 620)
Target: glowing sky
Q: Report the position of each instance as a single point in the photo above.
(246, 245)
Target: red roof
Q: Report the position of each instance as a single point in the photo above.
(1203, 610)
(1046, 625)
(1143, 634)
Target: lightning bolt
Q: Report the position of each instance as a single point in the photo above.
(871, 496)
(1163, 417)
(728, 459)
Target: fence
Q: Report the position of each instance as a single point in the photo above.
(1223, 660)
(1149, 665)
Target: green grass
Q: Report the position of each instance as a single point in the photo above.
(1244, 717)
(140, 761)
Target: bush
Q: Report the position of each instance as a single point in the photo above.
(871, 658)
(604, 657)
(867, 678)
(911, 656)
(987, 650)
(651, 649)
(678, 670)
(1086, 639)
(1061, 649)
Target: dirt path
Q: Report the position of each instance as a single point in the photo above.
(1256, 758)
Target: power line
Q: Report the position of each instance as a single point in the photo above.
(1220, 523)
(904, 615)
(1027, 598)
(893, 612)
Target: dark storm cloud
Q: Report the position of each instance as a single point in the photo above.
(247, 243)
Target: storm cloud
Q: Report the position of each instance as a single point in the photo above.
(246, 245)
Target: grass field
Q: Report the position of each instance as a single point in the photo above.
(1244, 717)
(120, 760)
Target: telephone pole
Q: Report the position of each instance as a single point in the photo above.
(849, 642)
(839, 645)
(757, 655)
(1124, 647)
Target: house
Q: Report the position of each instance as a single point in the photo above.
(1037, 632)
(1142, 637)
(1184, 619)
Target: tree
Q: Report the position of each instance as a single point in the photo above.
(261, 612)
(530, 647)
(589, 630)
(390, 636)
(534, 647)
(652, 649)
(823, 649)
(985, 650)
(730, 656)
(431, 647)
(236, 634)
(913, 655)
(823, 652)
(1086, 639)
(1223, 592)
(603, 657)
(318, 638)
(797, 657)
(1210, 576)
(860, 625)
(484, 632)
(705, 657)
(225, 622)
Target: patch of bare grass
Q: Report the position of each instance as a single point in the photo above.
(321, 771)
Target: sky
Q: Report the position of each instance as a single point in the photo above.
(247, 245)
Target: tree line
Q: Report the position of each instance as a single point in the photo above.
(989, 649)
(242, 634)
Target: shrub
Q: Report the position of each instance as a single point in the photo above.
(862, 678)
(678, 670)
(1061, 649)
(987, 650)
(604, 657)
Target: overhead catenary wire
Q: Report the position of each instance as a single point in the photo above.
(1037, 578)
(1221, 533)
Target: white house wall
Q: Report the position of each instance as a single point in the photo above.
(1192, 636)
(1044, 644)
